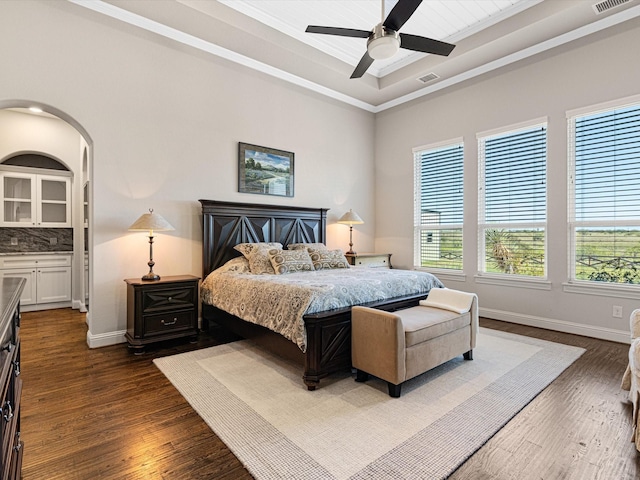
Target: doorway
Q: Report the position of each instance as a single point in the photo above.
(37, 129)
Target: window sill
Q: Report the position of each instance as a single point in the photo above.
(518, 282)
(445, 275)
(588, 288)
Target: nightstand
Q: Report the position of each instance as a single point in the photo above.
(371, 260)
(161, 310)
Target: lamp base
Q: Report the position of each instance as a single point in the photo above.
(151, 277)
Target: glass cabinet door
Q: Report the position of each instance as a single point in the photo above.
(18, 194)
(33, 200)
(54, 204)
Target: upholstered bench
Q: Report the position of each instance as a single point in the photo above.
(401, 345)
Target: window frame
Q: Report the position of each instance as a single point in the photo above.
(574, 285)
(483, 276)
(452, 273)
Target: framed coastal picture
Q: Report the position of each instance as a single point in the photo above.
(263, 170)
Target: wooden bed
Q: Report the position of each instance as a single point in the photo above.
(226, 224)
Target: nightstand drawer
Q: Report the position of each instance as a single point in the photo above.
(370, 260)
(168, 322)
(169, 299)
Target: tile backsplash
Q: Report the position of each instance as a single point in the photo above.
(18, 240)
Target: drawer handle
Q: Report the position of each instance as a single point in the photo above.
(16, 366)
(9, 415)
(170, 299)
(169, 323)
(8, 347)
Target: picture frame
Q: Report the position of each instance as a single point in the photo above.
(264, 170)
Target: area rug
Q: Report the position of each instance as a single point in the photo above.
(259, 407)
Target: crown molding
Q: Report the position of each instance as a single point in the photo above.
(147, 24)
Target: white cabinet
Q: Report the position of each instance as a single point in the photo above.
(48, 276)
(34, 200)
(29, 293)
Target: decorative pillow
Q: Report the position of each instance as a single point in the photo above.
(259, 261)
(329, 259)
(290, 261)
(246, 248)
(237, 265)
(311, 247)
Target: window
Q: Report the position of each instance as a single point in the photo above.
(513, 201)
(604, 198)
(438, 209)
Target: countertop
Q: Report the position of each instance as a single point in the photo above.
(10, 291)
(6, 254)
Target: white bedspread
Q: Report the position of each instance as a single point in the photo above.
(279, 302)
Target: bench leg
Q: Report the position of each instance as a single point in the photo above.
(361, 376)
(468, 355)
(394, 390)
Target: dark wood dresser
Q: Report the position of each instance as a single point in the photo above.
(11, 445)
(161, 310)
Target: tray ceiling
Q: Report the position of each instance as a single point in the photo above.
(268, 36)
(450, 21)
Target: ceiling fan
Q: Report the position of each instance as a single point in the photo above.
(384, 40)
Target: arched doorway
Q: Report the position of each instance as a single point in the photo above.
(44, 134)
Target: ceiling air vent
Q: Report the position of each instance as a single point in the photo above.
(429, 77)
(602, 7)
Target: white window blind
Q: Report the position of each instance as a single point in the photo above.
(438, 209)
(513, 202)
(604, 196)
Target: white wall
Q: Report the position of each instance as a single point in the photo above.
(165, 122)
(25, 133)
(604, 68)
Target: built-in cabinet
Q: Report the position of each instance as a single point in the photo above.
(35, 200)
(48, 277)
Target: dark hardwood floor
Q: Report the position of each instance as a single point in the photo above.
(108, 414)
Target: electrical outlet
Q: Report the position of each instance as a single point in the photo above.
(14, 240)
(617, 311)
(53, 241)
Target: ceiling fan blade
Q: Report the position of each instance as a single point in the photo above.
(424, 44)
(343, 32)
(365, 63)
(400, 13)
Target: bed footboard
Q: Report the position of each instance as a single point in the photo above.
(328, 337)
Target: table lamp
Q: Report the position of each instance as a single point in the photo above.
(150, 222)
(351, 218)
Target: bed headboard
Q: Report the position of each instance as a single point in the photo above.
(226, 224)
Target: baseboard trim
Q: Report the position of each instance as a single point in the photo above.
(620, 336)
(36, 307)
(113, 338)
(78, 305)
(601, 333)
(105, 339)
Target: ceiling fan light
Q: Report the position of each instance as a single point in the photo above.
(383, 47)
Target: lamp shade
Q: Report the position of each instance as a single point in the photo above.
(148, 222)
(351, 218)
